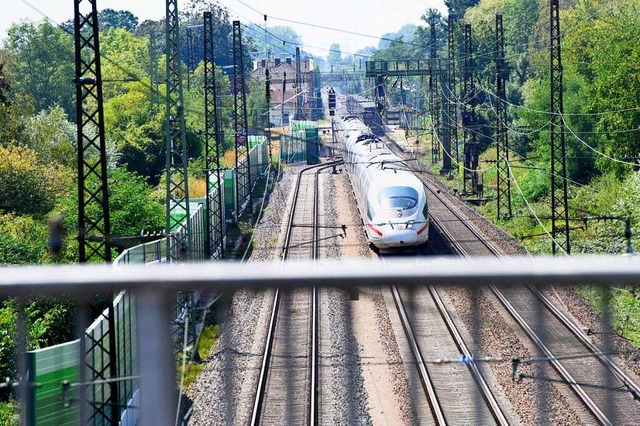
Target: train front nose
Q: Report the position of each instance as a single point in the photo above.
(399, 238)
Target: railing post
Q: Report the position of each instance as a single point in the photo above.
(156, 364)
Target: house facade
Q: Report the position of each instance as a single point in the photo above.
(286, 97)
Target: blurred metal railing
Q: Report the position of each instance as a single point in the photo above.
(155, 289)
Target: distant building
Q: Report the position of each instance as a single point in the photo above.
(284, 103)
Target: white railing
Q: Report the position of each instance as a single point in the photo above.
(156, 287)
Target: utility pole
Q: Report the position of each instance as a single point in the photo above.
(284, 91)
(243, 162)
(502, 139)
(176, 144)
(470, 176)
(267, 83)
(380, 95)
(298, 86)
(94, 229)
(433, 97)
(215, 208)
(559, 198)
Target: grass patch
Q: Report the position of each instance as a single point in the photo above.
(624, 310)
(206, 344)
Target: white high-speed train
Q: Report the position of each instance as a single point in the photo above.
(391, 199)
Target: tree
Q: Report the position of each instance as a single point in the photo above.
(22, 240)
(132, 204)
(5, 87)
(272, 39)
(457, 8)
(407, 32)
(28, 186)
(44, 65)
(609, 61)
(52, 137)
(111, 19)
(191, 14)
(138, 136)
(335, 56)
(125, 60)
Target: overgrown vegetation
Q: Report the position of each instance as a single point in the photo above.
(206, 345)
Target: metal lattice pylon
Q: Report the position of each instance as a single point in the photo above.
(243, 163)
(451, 93)
(502, 139)
(94, 228)
(433, 94)
(559, 199)
(470, 175)
(176, 147)
(213, 133)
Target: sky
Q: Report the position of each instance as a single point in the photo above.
(369, 17)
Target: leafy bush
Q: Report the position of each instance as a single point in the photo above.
(9, 415)
(22, 240)
(131, 202)
(8, 318)
(28, 186)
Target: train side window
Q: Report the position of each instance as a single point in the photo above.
(370, 213)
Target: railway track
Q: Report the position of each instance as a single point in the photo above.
(600, 385)
(430, 332)
(287, 390)
(596, 381)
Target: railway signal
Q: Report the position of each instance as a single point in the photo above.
(332, 102)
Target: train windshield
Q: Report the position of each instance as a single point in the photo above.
(398, 197)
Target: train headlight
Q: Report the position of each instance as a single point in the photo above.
(410, 224)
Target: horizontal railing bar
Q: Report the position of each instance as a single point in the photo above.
(213, 276)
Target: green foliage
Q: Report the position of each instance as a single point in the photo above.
(191, 14)
(132, 205)
(22, 240)
(126, 58)
(457, 8)
(44, 66)
(606, 46)
(9, 415)
(52, 137)
(8, 319)
(27, 185)
(195, 104)
(138, 136)
(110, 18)
(5, 87)
(50, 321)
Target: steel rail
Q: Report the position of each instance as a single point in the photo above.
(264, 370)
(266, 355)
(560, 369)
(489, 398)
(425, 378)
